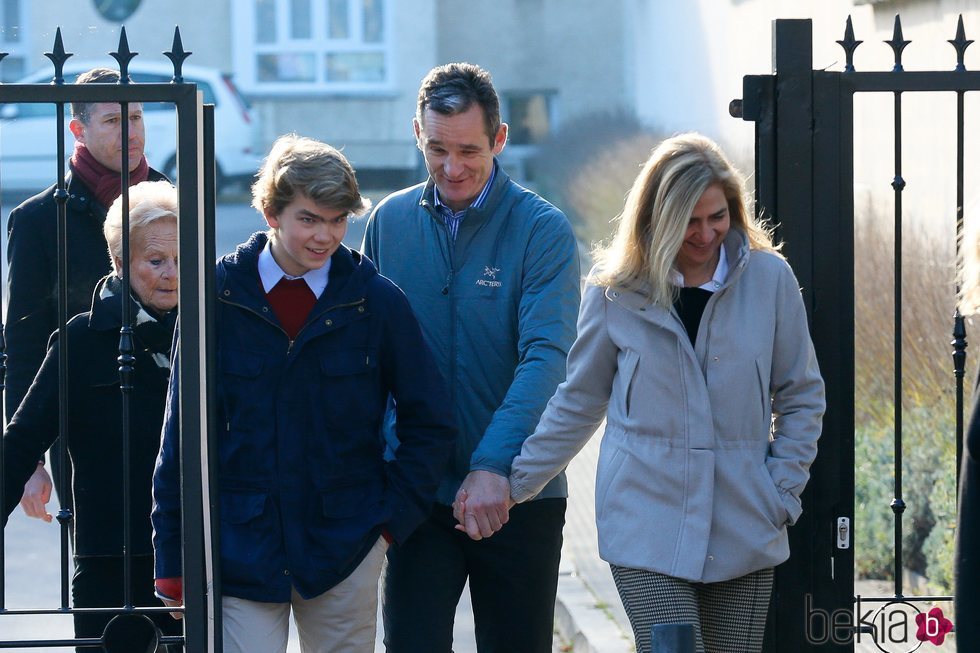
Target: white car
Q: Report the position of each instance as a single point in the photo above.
(28, 142)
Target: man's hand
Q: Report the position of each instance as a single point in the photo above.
(171, 592)
(482, 504)
(37, 493)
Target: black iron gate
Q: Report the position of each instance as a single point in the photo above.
(196, 190)
(804, 179)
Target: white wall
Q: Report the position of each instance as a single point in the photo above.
(204, 29)
(698, 51)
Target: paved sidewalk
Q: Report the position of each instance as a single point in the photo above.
(589, 614)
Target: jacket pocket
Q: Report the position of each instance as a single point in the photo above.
(764, 394)
(350, 387)
(239, 385)
(607, 469)
(242, 507)
(345, 362)
(627, 380)
(249, 541)
(350, 500)
(777, 512)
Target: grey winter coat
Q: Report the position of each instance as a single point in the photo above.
(706, 448)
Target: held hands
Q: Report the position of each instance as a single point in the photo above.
(37, 493)
(482, 504)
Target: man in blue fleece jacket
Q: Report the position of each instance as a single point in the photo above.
(491, 271)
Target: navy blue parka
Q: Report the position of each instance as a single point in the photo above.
(305, 490)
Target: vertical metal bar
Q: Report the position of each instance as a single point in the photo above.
(898, 184)
(959, 328)
(3, 387)
(126, 361)
(209, 464)
(830, 493)
(61, 199)
(193, 412)
(792, 206)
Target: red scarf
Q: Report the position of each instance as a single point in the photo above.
(105, 183)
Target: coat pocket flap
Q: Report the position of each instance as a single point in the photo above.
(348, 500)
(242, 364)
(348, 361)
(241, 507)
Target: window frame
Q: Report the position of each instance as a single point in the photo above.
(551, 97)
(16, 49)
(246, 50)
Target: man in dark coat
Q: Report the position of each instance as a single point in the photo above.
(93, 181)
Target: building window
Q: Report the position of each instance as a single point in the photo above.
(299, 46)
(530, 117)
(13, 35)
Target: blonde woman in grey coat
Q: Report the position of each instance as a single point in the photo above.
(693, 345)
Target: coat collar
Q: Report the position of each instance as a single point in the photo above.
(636, 298)
(474, 216)
(239, 279)
(81, 198)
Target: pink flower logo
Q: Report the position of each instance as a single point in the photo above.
(932, 626)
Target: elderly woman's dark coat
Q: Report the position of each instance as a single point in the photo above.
(95, 431)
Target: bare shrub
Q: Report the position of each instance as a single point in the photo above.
(928, 398)
(588, 166)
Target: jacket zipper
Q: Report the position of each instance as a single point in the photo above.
(451, 288)
(289, 349)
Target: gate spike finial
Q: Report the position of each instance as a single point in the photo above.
(177, 55)
(898, 44)
(961, 43)
(123, 56)
(58, 57)
(850, 45)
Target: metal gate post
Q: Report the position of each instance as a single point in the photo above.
(198, 625)
(817, 579)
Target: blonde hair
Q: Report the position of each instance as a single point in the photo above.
(298, 165)
(968, 269)
(148, 201)
(658, 209)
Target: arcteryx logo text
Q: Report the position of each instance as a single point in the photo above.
(489, 278)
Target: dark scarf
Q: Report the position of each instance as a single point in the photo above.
(105, 183)
(154, 333)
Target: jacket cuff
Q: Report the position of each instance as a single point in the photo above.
(169, 589)
(792, 505)
(491, 466)
(519, 493)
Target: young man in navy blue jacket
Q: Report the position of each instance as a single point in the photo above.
(311, 343)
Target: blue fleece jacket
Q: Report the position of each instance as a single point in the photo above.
(497, 307)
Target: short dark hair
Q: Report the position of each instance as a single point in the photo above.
(81, 110)
(455, 87)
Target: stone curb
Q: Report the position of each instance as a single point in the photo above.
(582, 622)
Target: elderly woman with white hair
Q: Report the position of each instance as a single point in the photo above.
(94, 404)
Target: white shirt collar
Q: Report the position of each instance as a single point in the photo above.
(717, 279)
(270, 273)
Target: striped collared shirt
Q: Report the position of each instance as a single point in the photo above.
(453, 218)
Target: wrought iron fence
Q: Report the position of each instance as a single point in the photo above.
(196, 172)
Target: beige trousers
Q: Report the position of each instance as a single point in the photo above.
(341, 620)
